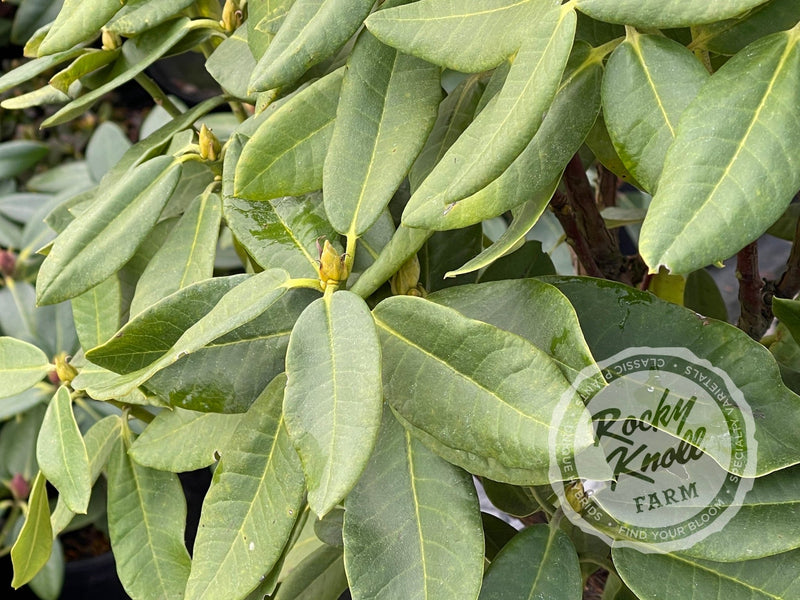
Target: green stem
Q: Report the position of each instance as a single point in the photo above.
(10, 521)
(81, 401)
(158, 95)
(542, 502)
(135, 411)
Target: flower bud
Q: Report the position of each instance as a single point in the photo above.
(231, 15)
(406, 281)
(333, 267)
(111, 40)
(65, 371)
(209, 144)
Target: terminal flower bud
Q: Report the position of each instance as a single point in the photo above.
(333, 267)
(65, 371)
(406, 281)
(111, 40)
(209, 144)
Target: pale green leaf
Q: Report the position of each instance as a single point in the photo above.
(285, 155)
(463, 36)
(106, 235)
(312, 31)
(525, 218)
(100, 440)
(106, 147)
(502, 130)
(531, 175)
(320, 576)
(146, 521)
(232, 63)
(242, 304)
(77, 21)
(333, 397)
(18, 155)
(137, 16)
(615, 317)
(251, 507)
(733, 168)
(387, 107)
(32, 547)
(61, 453)
(35, 67)
(137, 54)
(427, 542)
(649, 82)
(539, 562)
(86, 63)
(22, 365)
(440, 366)
(181, 440)
(773, 578)
(264, 18)
(97, 312)
(187, 256)
(664, 13)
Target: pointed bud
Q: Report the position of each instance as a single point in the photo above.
(231, 15)
(19, 488)
(209, 144)
(111, 40)
(406, 280)
(332, 266)
(65, 371)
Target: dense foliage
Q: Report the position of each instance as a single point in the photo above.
(442, 212)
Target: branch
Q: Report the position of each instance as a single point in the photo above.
(756, 315)
(566, 216)
(603, 244)
(788, 285)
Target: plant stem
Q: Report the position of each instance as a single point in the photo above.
(566, 216)
(135, 411)
(158, 95)
(789, 284)
(756, 315)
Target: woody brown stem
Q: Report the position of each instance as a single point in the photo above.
(788, 285)
(756, 315)
(566, 216)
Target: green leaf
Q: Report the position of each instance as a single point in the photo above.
(529, 261)
(18, 444)
(761, 579)
(507, 386)
(515, 306)
(137, 54)
(599, 142)
(286, 153)
(649, 82)
(232, 63)
(19, 155)
(532, 174)
(497, 533)
(242, 304)
(734, 148)
(146, 520)
(249, 511)
(35, 67)
(282, 232)
(106, 235)
(615, 317)
(263, 21)
(61, 453)
(312, 31)
(329, 528)
(525, 218)
(463, 36)
(22, 365)
(539, 562)
(77, 21)
(731, 35)
(320, 576)
(181, 440)
(658, 14)
(31, 17)
(100, 440)
(86, 63)
(106, 147)
(769, 508)
(445, 251)
(502, 130)
(454, 115)
(186, 257)
(387, 108)
(97, 312)
(138, 16)
(32, 547)
(427, 542)
(703, 296)
(333, 397)
(517, 501)
(48, 583)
